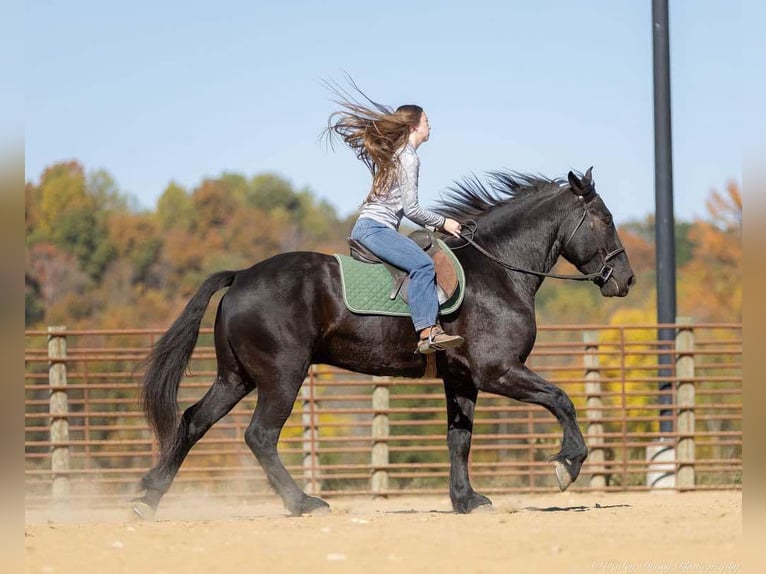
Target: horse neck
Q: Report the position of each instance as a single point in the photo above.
(526, 236)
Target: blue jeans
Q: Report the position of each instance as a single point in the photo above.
(402, 252)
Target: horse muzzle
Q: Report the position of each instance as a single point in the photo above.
(616, 284)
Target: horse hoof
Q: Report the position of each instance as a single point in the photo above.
(311, 505)
(142, 511)
(562, 475)
(474, 503)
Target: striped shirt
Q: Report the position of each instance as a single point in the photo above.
(402, 198)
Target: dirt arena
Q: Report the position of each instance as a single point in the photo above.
(561, 533)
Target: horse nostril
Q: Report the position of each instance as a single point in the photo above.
(631, 281)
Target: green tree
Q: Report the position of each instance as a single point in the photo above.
(175, 209)
(269, 192)
(70, 217)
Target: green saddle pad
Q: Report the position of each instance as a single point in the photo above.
(367, 286)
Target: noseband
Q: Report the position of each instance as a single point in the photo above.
(599, 278)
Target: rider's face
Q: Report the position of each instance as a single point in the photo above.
(424, 127)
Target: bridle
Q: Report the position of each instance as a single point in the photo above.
(600, 277)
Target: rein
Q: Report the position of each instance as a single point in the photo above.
(600, 277)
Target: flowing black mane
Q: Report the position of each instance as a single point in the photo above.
(471, 198)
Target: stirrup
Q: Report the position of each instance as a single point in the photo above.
(438, 340)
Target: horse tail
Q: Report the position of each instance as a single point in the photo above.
(167, 361)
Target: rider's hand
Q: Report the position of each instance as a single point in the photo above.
(452, 227)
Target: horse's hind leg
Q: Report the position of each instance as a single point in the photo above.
(276, 398)
(524, 385)
(461, 404)
(227, 390)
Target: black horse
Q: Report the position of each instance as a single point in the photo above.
(287, 312)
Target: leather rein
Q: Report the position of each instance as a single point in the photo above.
(600, 277)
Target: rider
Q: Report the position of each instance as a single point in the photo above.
(386, 141)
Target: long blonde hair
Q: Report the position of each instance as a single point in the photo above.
(375, 133)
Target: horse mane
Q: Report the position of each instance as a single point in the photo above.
(471, 197)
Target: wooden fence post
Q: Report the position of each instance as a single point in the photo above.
(311, 480)
(59, 411)
(685, 375)
(380, 433)
(594, 434)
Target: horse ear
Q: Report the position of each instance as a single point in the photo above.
(574, 182)
(588, 179)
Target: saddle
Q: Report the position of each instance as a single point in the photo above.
(446, 274)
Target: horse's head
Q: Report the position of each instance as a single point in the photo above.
(591, 241)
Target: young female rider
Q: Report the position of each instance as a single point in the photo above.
(386, 141)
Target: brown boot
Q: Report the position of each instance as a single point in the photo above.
(434, 339)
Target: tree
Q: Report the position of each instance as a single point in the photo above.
(646, 230)
(135, 238)
(34, 310)
(269, 192)
(67, 215)
(52, 274)
(175, 209)
(711, 282)
(213, 205)
(725, 209)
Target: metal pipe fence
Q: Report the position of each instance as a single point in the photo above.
(86, 438)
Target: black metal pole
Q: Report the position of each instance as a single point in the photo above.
(663, 196)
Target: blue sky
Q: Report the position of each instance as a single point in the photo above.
(155, 92)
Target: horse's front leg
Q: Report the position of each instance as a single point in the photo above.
(461, 404)
(522, 384)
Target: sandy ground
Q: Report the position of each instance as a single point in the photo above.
(561, 533)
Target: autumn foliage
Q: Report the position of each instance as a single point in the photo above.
(94, 260)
